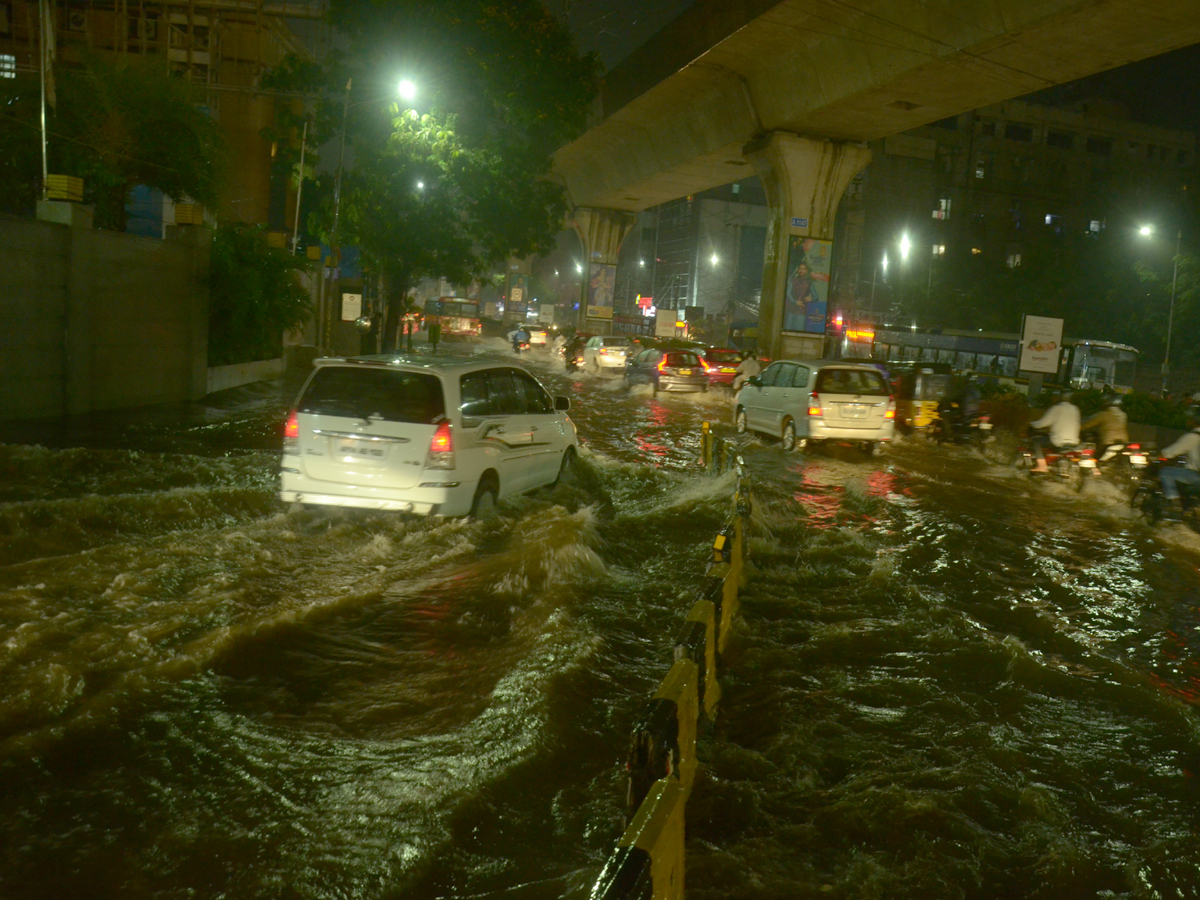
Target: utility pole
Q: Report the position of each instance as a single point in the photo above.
(299, 190)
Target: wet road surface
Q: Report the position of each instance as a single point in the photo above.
(950, 680)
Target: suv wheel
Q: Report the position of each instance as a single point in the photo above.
(484, 504)
(789, 436)
(566, 469)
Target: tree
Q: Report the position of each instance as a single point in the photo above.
(254, 296)
(117, 123)
(455, 189)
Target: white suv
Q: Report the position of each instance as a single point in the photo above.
(434, 437)
(803, 401)
(606, 351)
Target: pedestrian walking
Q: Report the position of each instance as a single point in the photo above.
(435, 333)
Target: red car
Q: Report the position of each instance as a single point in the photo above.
(722, 363)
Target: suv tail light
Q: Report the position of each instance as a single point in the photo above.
(291, 433)
(891, 408)
(662, 364)
(814, 404)
(441, 448)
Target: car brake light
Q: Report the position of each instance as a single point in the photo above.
(1135, 446)
(441, 448)
(291, 432)
(814, 404)
(891, 410)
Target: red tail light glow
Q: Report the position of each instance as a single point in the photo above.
(662, 364)
(1135, 446)
(814, 404)
(291, 430)
(441, 448)
(891, 409)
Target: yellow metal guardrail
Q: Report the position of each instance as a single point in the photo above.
(648, 862)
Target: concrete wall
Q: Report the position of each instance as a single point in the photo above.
(93, 320)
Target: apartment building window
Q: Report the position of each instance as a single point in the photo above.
(1014, 260)
(1099, 145)
(1015, 131)
(939, 250)
(1095, 226)
(942, 211)
(8, 66)
(1064, 140)
(981, 166)
(976, 251)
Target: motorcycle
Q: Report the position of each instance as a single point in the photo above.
(520, 347)
(950, 426)
(1070, 465)
(1148, 500)
(1123, 465)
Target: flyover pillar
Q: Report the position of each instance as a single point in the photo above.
(601, 232)
(804, 180)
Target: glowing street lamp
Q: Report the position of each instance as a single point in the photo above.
(1147, 231)
(408, 89)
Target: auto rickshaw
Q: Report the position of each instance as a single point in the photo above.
(918, 388)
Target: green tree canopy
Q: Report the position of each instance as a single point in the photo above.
(116, 124)
(458, 184)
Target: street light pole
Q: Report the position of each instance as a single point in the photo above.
(1166, 366)
(326, 308)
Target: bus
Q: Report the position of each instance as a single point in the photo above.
(459, 318)
(1085, 362)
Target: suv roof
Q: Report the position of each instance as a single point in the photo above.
(433, 364)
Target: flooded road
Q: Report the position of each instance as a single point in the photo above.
(950, 681)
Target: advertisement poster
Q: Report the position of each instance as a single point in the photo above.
(664, 323)
(1041, 344)
(351, 307)
(601, 283)
(518, 293)
(807, 288)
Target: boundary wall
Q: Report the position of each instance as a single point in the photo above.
(93, 320)
(648, 862)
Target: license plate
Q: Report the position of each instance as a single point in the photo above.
(985, 426)
(1087, 464)
(853, 410)
(361, 449)
(1137, 460)
(685, 371)
(727, 371)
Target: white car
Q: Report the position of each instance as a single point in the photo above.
(428, 436)
(804, 401)
(606, 351)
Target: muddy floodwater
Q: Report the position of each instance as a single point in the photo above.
(950, 680)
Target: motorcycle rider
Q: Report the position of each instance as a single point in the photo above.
(1111, 425)
(956, 412)
(1058, 427)
(747, 368)
(520, 339)
(1171, 477)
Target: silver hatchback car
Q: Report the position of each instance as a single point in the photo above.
(804, 401)
(425, 435)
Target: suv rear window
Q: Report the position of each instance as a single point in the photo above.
(363, 392)
(851, 381)
(616, 342)
(677, 358)
(723, 357)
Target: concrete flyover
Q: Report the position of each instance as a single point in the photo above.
(790, 91)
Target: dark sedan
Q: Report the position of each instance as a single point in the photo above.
(668, 370)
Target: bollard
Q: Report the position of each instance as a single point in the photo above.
(697, 642)
(664, 741)
(649, 860)
(706, 445)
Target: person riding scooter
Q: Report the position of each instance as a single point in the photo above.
(747, 368)
(1110, 425)
(1172, 477)
(1058, 427)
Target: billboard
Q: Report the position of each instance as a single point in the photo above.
(806, 291)
(600, 291)
(1041, 344)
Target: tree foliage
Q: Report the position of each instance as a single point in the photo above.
(460, 183)
(117, 123)
(254, 296)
